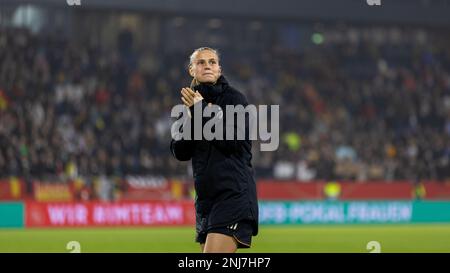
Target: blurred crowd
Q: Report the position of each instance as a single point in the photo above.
(353, 105)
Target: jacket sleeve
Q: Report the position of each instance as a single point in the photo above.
(182, 149)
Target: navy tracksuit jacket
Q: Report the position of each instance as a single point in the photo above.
(223, 173)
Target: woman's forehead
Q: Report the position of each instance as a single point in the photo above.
(206, 54)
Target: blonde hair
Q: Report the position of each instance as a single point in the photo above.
(192, 58)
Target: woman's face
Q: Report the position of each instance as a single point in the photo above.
(205, 68)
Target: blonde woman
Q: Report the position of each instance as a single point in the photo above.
(226, 202)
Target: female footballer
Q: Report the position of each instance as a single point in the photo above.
(226, 203)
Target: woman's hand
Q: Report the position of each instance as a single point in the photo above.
(190, 97)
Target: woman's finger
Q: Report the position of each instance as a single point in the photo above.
(198, 94)
(190, 91)
(185, 92)
(187, 96)
(185, 102)
(190, 99)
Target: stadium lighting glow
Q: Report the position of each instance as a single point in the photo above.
(317, 38)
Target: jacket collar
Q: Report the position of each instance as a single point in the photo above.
(211, 91)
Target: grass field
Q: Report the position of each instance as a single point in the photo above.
(325, 238)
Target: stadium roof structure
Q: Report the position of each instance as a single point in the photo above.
(432, 12)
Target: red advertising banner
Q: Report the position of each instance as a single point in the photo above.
(12, 189)
(147, 188)
(52, 192)
(437, 190)
(351, 190)
(91, 214)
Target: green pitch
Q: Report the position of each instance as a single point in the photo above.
(323, 238)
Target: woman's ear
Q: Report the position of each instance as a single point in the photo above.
(191, 71)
